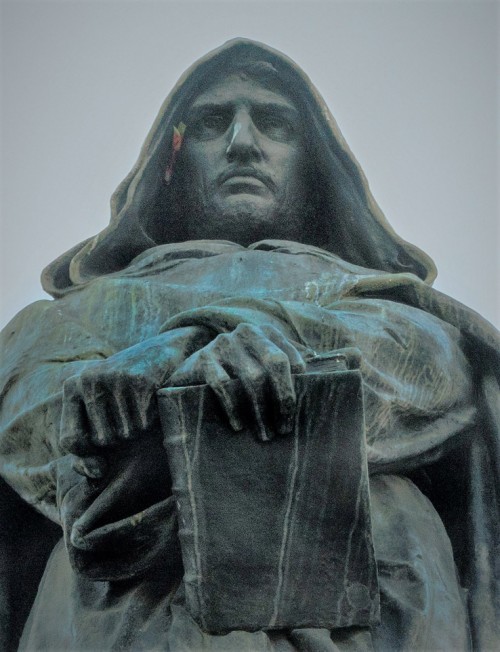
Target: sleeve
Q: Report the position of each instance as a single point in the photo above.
(124, 523)
(39, 349)
(418, 388)
(418, 391)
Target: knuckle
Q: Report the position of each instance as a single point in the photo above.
(288, 403)
(101, 437)
(269, 329)
(70, 386)
(255, 376)
(298, 366)
(247, 330)
(87, 384)
(279, 361)
(222, 344)
(222, 339)
(216, 376)
(70, 443)
(126, 434)
(277, 356)
(205, 358)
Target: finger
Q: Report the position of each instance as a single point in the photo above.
(123, 417)
(93, 468)
(145, 408)
(247, 397)
(297, 364)
(204, 368)
(243, 357)
(74, 431)
(100, 411)
(134, 412)
(282, 392)
(191, 372)
(113, 415)
(244, 354)
(252, 336)
(280, 388)
(275, 376)
(253, 387)
(218, 379)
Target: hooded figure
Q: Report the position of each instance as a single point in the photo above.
(142, 298)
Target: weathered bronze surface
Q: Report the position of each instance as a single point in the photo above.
(277, 552)
(174, 412)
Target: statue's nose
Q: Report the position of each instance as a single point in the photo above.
(243, 138)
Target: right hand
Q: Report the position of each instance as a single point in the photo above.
(263, 360)
(114, 400)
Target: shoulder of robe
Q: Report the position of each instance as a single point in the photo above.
(47, 330)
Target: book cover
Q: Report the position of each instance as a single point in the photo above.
(274, 534)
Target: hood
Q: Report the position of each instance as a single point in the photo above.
(354, 226)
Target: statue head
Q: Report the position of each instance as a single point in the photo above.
(262, 158)
(243, 170)
(243, 164)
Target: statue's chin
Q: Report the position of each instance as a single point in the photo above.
(246, 205)
(246, 218)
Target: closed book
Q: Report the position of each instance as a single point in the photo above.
(274, 534)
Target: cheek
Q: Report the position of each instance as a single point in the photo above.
(292, 173)
(202, 168)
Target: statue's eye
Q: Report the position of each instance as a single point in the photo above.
(212, 125)
(213, 121)
(274, 125)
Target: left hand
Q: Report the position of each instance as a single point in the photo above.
(264, 361)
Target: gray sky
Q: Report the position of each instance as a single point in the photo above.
(413, 86)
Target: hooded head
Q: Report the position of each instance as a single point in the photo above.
(327, 203)
(243, 171)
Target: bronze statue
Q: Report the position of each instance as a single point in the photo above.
(244, 248)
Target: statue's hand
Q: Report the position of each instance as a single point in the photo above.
(114, 400)
(263, 360)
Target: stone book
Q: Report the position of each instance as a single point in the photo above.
(274, 534)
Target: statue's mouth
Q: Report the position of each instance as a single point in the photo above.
(246, 176)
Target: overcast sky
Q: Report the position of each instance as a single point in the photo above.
(413, 86)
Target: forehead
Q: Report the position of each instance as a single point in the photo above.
(238, 89)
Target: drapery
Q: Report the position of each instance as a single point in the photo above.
(420, 403)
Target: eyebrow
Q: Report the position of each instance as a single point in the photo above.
(198, 110)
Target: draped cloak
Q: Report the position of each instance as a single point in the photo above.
(430, 370)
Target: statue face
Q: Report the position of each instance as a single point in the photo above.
(243, 162)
